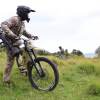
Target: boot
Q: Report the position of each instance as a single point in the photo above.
(23, 70)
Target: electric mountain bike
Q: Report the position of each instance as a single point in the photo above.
(42, 72)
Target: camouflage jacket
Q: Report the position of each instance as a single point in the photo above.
(14, 27)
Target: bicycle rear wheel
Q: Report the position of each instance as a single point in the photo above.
(49, 80)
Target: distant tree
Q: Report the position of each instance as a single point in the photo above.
(77, 52)
(97, 51)
(74, 51)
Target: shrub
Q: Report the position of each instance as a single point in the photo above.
(94, 88)
(86, 68)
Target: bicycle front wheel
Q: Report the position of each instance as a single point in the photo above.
(49, 80)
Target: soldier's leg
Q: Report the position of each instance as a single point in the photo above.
(8, 68)
(22, 60)
(23, 64)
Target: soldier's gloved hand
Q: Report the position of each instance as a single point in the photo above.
(35, 37)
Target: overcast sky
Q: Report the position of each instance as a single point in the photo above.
(72, 24)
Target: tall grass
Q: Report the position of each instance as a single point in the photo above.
(79, 80)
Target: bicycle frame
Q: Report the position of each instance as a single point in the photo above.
(32, 62)
(35, 67)
(31, 52)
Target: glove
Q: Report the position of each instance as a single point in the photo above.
(35, 37)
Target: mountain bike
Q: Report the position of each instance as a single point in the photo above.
(42, 72)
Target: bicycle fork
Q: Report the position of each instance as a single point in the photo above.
(32, 62)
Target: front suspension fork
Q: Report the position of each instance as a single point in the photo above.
(32, 63)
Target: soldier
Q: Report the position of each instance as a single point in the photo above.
(62, 52)
(13, 28)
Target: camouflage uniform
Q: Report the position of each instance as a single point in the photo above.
(12, 28)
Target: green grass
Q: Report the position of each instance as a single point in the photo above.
(79, 80)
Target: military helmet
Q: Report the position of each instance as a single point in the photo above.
(23, 11)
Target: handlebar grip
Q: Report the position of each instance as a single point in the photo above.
(35, 38)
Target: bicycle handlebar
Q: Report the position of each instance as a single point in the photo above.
(33, 38)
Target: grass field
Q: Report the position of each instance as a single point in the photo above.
(79, 80)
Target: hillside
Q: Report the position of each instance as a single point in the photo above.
(79, 80)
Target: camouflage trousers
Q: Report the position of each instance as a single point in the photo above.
(10, 51)
(8, 68)
(10, 62)
(9, 65)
